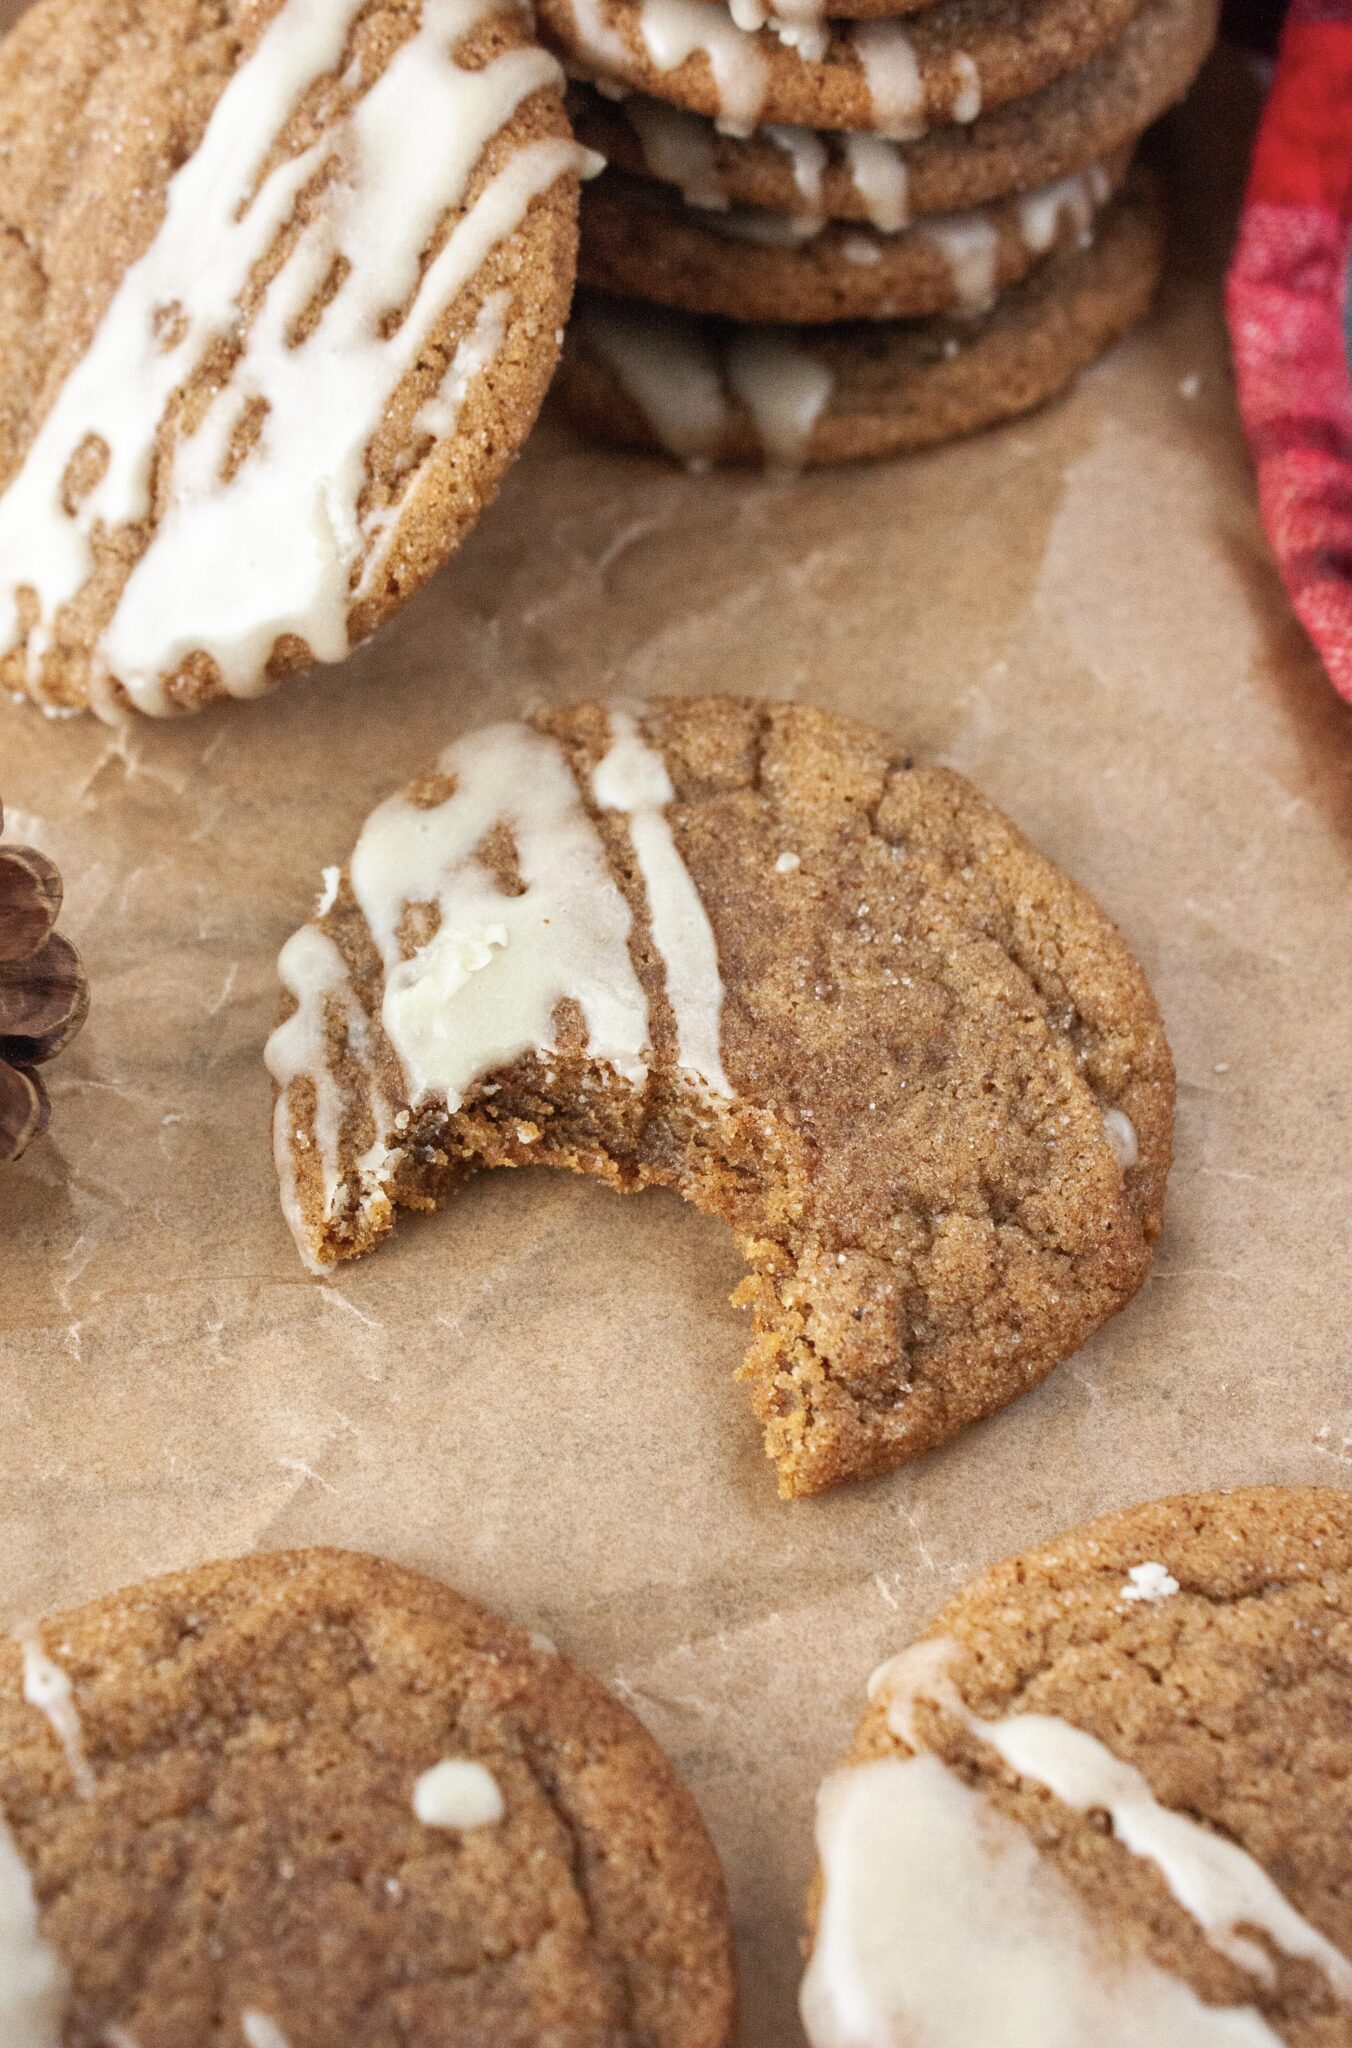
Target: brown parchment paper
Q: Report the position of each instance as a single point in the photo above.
(531, 1394)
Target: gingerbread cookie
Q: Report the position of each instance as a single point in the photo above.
(1077, 121)
(710, 391)
(754, 953)
(640, 240)
(1108, 1798)
(943, 64)
(280, 296)
(299, 1799)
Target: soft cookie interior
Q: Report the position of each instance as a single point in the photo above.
(756, 954)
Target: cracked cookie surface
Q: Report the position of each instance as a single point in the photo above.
(753, 952)
(308, 1797)
(1142, 1732)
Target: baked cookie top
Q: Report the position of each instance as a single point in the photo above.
(756, 953)
(943, 64)
(280, 293)
(641, 240)
(1108, 1798)
(1076, 121)
(296, 1799)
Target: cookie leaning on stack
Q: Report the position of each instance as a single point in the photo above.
(863, 236)
(281, 290)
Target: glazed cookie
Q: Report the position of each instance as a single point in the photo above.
(708, 391)
(754, 953)
(1108, 1798)
(640, 240)
(943, 64)
(280, 294)
(1069, 125)
(306, 1798)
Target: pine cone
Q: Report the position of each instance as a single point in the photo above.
(44, 996)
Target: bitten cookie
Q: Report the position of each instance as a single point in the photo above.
(1077, 121)
(754, 953)
(309, 1798)
(707, 391)
(1108, 1798)
(944, 64)
(640, 240)
(280, 293)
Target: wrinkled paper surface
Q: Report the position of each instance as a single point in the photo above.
(531, 1394)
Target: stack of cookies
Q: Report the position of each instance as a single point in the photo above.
(820, 238)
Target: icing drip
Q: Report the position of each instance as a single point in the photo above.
(669, 372)
(1211, 1877)
(288, 517)
(1080, 196)
(678, 149)
(784, 389)
(942, 1927)
(674, 30)
(807, 155)
(767, 230)
(458, 1793)
(48, 1688)
(314, 972)
(892, 75)
(260, 2031)
(32, 1982)
(1149, 1582)
(485, 987)
(967, 88)
(970, 243)
(1120, 1132)
(673, 377)
(632, 779)
(878, 173)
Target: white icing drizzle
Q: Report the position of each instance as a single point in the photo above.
(879, 175)
(673, 30)
(437, 416)
(1211, 1877)
(970, 245)
(1120, 1132)
(1080, 195)
(458, 1793)
(672, 375)
(48, 1688)
(669, 371)
(679, 149)
(287, 520)
(485, 987)
(859, 249)
(892, 74)
(967, 88)
(806, 153)
(632, 778)
(314, 972)
(33, 1983)
(766, 230)
(1149, 1582)
(941, 1926)
(784, 389)
(260, 2030)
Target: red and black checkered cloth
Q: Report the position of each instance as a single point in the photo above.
(1290, 313)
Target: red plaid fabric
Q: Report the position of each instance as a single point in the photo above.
(1287, 299)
